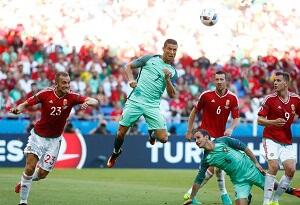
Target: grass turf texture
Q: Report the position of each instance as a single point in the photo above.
(119, 186)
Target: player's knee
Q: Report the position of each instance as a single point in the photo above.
(29, 170)
(163, 139)
(272, 171)
(211, 170)
(273, 167)
(290, 171)
(208, 175)
(161, 136)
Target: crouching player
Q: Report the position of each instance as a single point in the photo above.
(242, 167)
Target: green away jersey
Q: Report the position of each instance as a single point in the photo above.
(150, 81)
(227, 156)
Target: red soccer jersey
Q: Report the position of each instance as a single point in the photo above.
(216, 110)
(54, 111)
(274, 107)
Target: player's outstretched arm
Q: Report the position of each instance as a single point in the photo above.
(137, 63)
(19, 109)
(129, 74)
(191, 121)
(89, 102)
(253, 158)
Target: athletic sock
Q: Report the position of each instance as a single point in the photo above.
(25, 188)
(282, 187)
(151, 134)
(117, 145)
(220, 174)
(269, 187)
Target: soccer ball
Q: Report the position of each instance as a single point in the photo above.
(209, 17)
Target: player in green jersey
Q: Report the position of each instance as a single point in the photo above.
(156, 74)
(237, 160)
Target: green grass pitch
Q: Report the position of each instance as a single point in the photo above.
(119, 187)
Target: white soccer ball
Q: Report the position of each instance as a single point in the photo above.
(209, 17)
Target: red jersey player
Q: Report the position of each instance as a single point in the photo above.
(277, 113)
(44, 142)
(216, 106)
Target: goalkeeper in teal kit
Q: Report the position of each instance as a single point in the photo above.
(155, 76)
(238, 161)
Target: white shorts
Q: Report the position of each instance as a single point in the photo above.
(281, 152)
(46, 149)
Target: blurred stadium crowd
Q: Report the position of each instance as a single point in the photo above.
(93, 40)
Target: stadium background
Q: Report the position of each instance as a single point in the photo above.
(93, 40)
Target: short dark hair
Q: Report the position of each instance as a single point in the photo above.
(202, 131)
(285, 75)
(220, 72)
(61, 73)
(170, 41)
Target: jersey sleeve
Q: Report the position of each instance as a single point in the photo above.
(264, 109)
(202, 170)
(200, 103)
(141, 61)
(232, 142)
(78, 99)
(81, 99)
(35, 99)
(235, 108)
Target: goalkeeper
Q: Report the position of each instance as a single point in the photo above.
(242, 167)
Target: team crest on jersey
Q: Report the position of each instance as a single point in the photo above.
(227, 104)
(51, 101)
(65, 102)
(72, 153)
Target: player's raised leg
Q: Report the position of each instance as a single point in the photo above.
(152, 138)
(160, 134)
(156, 125)
(131, 113)
(122, 130)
